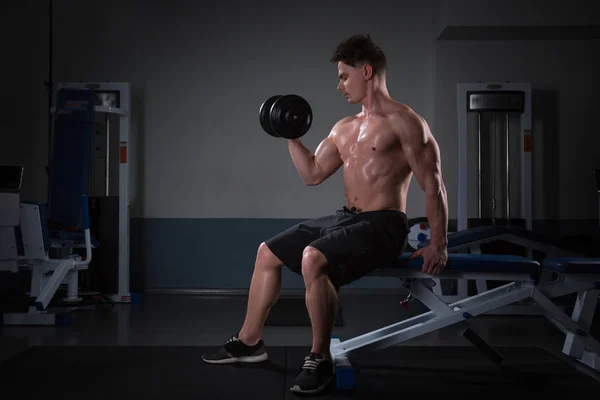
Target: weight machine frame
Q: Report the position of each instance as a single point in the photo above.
(123, 294)
(525, 161)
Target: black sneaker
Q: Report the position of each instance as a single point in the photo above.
(234, 350)
(315, 375)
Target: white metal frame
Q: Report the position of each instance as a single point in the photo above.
(124, 112)
(578, 344)
(47, 274)
(462, 135)
(474, 247)
(531, 245)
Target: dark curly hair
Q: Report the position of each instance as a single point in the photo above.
(359, 49)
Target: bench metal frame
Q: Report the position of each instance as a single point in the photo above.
(578, 344)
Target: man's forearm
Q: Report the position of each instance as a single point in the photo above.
(304, 160)
(436, 208)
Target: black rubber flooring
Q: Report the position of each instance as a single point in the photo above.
(177, 372)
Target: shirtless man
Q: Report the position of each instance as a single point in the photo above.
(380, 149)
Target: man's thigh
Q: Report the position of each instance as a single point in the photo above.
(289, 244)
(356, 250)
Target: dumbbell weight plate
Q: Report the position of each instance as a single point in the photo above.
(291, 116)
(264, 115)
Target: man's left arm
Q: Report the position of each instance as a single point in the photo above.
(423, 155)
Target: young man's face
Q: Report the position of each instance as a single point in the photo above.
(352, 82)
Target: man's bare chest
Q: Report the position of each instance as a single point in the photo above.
(366, 138)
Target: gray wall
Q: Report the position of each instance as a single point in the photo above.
(203, 168)
(24, 101)
(552, 46)
(564, 80)
(199, 78)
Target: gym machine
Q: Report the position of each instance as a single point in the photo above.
(110, 181)
(489, 151)
(494, 154)
(87, 210)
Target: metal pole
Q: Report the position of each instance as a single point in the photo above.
(494, 141)
(507, 169)
(106, 178)
(597, 175)
(50, 94)
(479, 163)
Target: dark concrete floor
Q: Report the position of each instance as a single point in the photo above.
(196, 320)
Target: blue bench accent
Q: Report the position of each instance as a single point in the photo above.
(136, 298)
(476, 262)
(63, 319)
(572, 265)
(345, 378)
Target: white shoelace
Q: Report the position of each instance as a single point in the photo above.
(233, 339)
(311, 363)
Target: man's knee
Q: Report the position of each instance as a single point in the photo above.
(265, 257)
(314, 263)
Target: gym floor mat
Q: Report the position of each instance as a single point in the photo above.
(177, 372)
(418, 371)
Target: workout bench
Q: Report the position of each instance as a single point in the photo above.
(470, 241)
(572, 275)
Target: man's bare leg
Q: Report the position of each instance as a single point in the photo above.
(265, 288)
(321, 299)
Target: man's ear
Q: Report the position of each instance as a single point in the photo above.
(367, 72)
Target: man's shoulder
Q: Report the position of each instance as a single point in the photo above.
(407, 123)
(405, 120)
(347, 120)
(343, 123)
(399, 111)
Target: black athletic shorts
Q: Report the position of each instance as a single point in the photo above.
(354, 243)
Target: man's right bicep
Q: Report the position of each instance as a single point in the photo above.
(327, 158)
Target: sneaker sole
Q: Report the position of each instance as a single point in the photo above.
(247, 359)
(297, 389)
